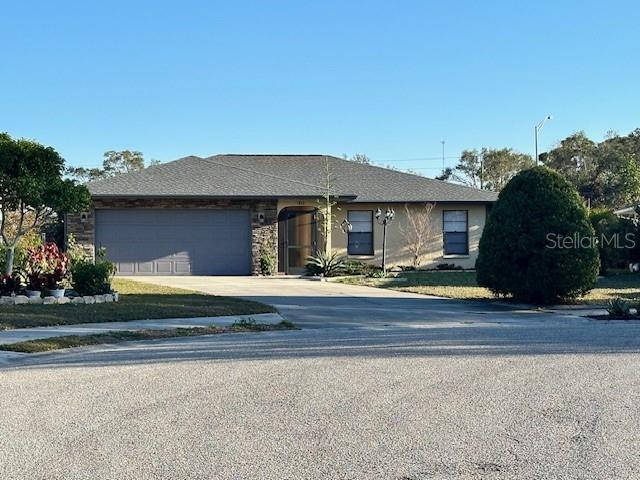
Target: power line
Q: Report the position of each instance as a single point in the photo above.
(417, 159)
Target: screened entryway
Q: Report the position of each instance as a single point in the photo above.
(298, 238)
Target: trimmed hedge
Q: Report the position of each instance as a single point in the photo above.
(526, 248)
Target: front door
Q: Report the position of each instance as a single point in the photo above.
(300, 239)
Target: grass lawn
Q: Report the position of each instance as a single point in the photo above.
(70, 341)
(463, 285)
(138, 301)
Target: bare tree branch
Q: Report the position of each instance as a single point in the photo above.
(418, 231)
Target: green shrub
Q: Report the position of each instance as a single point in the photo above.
(326, 265)
(90, 278)
(448, 266)
(618, 308)
(525, 249)
(355, 267)
(267, 262)
(244, 323)
(75, 252)
(376, 273)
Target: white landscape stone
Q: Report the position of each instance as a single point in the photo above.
(6, 300)
(50, 300)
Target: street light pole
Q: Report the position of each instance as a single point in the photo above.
(537, 129)
(384, 220)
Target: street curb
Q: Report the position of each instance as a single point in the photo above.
(8, 337)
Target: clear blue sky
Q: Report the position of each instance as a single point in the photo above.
(389, 79)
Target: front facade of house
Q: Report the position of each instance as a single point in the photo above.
(218, 215)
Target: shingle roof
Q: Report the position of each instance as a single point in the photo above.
(278, 176)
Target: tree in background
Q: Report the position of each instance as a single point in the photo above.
(617, 239)
(606, 174)
(576, 159)
(32, 191)
(538, 243)
(418, 231)
(114, 163)
(489, 168)
(358, 158)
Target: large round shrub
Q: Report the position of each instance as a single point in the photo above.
(538, 244)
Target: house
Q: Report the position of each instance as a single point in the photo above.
(215, 215)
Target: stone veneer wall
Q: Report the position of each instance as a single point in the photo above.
(263, 233)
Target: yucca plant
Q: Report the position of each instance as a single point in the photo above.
(326, 265)
(618, 308)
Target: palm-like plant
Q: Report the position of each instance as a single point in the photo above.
(326, 265)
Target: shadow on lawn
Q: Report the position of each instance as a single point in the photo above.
(137, 306)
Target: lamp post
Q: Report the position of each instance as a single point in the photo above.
(537, 129)
(384, 220)
(346, 226)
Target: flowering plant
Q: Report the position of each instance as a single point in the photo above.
(46, 266)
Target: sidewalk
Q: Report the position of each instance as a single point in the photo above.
(24, 334)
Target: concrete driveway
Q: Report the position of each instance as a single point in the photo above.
(314, 304)
(378, 385)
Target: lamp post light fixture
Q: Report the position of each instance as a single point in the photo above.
(537, 129)
(384, 220)
(345, 226)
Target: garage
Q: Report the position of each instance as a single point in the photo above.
(176, 242)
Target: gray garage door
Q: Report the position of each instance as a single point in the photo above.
(176, 242)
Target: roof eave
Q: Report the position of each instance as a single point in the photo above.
(98, 196)
(439, 202)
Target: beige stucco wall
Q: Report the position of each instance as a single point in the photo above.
(397, 251)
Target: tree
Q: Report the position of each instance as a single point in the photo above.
(603, 173)
(446, 175)
(32, 191)
(360, 158)
(357, 158)
(629, 191)
(468, 171)
(126, 161)
(114, 163)
(328, 202)
(538, 244)
(576, 159)
(489, 168)
(616, 239)
(418, 231)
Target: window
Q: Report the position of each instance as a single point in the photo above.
(455, 232)
(361, 234)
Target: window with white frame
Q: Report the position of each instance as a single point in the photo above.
(360, 241)
(455, 232)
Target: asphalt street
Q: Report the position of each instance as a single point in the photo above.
(470, 391)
